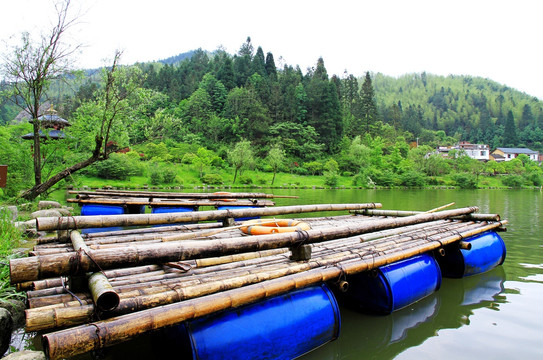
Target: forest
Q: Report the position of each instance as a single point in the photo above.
(215, 113)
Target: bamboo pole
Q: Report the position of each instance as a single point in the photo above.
(403, 213)
(155, 203)
(84, 338)
(159, 194)
(440, 208)
(36, 267)
(81, 222)
(103, 294)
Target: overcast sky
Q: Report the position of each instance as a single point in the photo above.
(495, 39)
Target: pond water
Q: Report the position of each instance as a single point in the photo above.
(495, 315)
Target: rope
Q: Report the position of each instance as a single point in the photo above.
(342, 275)
(90, 257)
(303, 237)
(69, 291)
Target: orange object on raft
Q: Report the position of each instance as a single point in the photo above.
(263, 226)
(223, 199)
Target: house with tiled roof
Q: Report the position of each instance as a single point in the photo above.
(511, 153)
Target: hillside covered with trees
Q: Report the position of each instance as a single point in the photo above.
(218, 110)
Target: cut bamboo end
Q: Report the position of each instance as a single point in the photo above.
(103, 294)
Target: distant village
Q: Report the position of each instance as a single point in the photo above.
(482, 152)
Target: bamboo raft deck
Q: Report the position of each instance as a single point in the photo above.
(90, 291)
(172, 199)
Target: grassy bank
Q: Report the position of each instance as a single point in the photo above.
(10, 238)
(188, 177)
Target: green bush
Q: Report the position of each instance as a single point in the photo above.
(360, 179)
(10, 236)
(347, 174)
(168, 175)
(465, 181)
(383, 178)
(212, 179)
(245, 180)
(413, 179)
(331, 178)
(514, 181)
(117, 166)
(155, 177)
(535, 178)
(300, 171)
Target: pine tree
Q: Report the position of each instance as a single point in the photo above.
(368, 107)
(271, 70)
(527, 117)
(510, 131)
(259, 63)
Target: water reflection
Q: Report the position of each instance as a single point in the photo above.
(384, 337)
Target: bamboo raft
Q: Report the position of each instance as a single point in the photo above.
(90, 291)
(172, 199)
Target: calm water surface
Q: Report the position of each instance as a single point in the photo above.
(496, 315)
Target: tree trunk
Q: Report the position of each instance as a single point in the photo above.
(37, 152)
(40, 188)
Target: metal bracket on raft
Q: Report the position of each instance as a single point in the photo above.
(300, 253)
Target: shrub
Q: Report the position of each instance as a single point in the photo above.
(117, 166)
(155, 177)
(245, 179)
(212, 179)
(383, 178)
(188, 158)
(347, 174)
(515, 181)
(300, 171)
(331, 178)
(168, 175)
(360, 179)
(465, 181)
(413, 179)
(535, 178)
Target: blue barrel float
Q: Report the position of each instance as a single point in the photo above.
(97, 209)
(232, 207)
(394, 286)
(172, 209)
(281, 327)
(486, 251)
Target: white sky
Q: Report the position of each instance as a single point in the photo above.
(496, 39)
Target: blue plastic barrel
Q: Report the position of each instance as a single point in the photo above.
(394, 286)
(172, 209)
(97, 209)
(487, 251)
(226, 207)
(282, 327)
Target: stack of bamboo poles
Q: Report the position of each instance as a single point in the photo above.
(155, 198)
(152, 283)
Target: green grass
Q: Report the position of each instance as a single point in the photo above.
(9, 239)
(188, 177)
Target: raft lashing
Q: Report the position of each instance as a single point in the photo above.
(222, 293)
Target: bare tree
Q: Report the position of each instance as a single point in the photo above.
(119, 84)
(30, 67)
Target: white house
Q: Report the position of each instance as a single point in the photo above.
(511, 153)
(475, 151)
